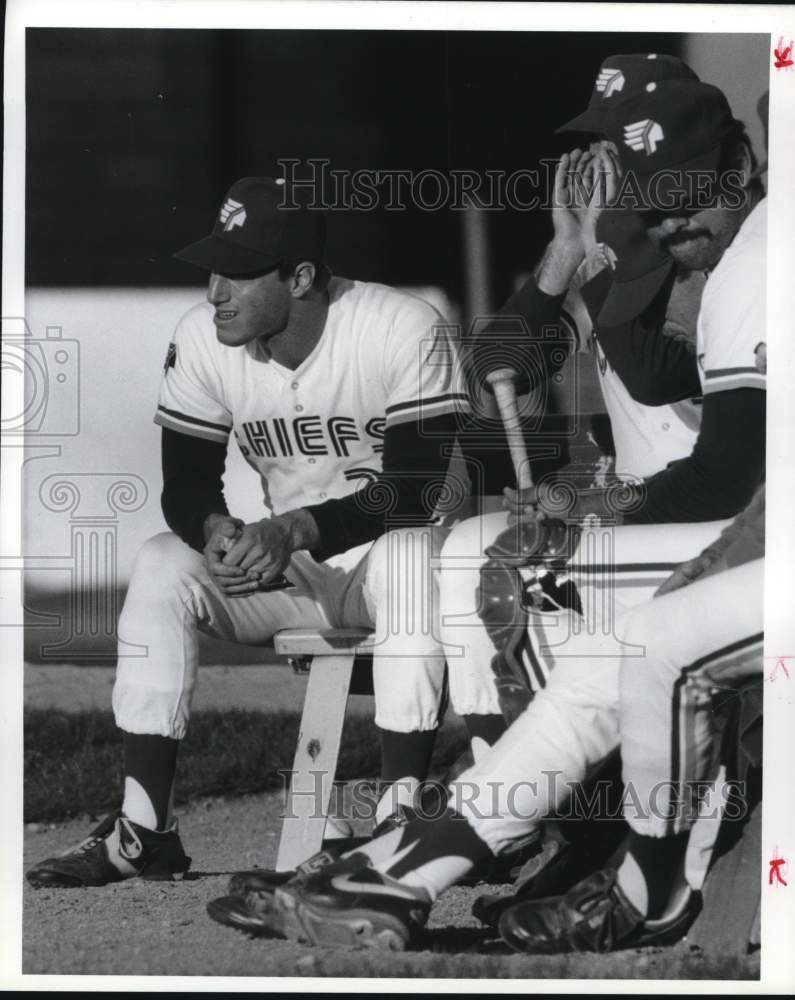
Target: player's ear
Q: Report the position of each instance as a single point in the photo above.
(303, 279)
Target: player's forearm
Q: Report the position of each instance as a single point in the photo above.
(721, 475)
(360, 517)
(192, 485)
(655, 368)
(415, 460)
(521, 331)
(558, 266)
(302, 528)
(188, 505)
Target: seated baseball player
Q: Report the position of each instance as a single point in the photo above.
(667, 728)
(679, 465)
(342, 397)
(659, 706)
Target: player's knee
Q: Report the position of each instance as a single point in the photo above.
(643, 638)
(161, 552)
(464, 541)
(162, 560)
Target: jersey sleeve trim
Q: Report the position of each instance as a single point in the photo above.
(433, 406)
(722, 379)
(177, 421)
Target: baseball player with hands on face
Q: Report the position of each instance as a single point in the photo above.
(587, 683)
(676, 365)
(342, 396)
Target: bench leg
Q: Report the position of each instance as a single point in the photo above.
(315, 763)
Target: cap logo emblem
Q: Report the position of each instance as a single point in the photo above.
(232, 214)
(610, 81)
(644, 135)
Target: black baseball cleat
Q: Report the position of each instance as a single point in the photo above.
(560, 863)
(116, 850)
(593, 916)
(352, 904)
(268, 880)
(347, 903)
(250, 906)
(253, 914)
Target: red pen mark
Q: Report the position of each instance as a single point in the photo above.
(776, 864)
(783, 55)
(780, 665)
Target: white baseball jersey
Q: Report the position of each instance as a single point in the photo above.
(384, 357)
(732, 321)
(646, 438)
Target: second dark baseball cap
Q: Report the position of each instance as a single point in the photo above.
(622, 78)
(259, 225)
(666, 135)
(640, 268)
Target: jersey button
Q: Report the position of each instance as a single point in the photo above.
(299, 407)
(666, 426)
(323, 496)
(311, 461)
(294, 385)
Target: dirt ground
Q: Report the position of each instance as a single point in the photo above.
(150, 928)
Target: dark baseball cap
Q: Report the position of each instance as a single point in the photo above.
(675, 130)
(259, 225)
(640, 267)
(622, 78)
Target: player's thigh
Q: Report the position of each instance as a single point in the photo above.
(615, 568)
(710, 631)
(255, 618)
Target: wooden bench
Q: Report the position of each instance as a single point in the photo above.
(332, 653)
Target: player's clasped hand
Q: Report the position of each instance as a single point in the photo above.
(242, 558)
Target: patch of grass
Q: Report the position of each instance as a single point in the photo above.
(73, 760)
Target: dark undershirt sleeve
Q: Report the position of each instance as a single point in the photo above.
(654, 367)
(193, 470)
(525, 335)
(726, 466)
(415, 461)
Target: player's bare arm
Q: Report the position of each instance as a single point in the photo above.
(585, 182)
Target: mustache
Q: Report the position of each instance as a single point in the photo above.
(684, 236)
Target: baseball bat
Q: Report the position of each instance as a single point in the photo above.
(503, 385)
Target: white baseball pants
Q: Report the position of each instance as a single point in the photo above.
(575, 661)
(387, 586)
(613, 568)
(700, 639)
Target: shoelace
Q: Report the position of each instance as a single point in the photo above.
(101, 833)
